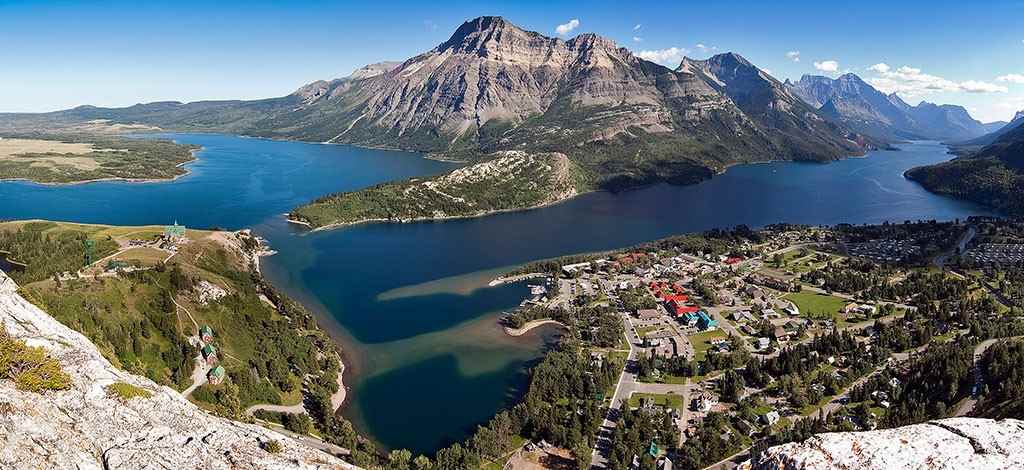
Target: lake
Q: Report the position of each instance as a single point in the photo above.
(408, 302)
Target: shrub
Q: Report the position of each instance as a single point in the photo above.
(31, 368)
(125, 391)
(274, 447)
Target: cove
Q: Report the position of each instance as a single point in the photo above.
(427, 362)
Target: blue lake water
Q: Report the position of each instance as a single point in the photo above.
(406, 301)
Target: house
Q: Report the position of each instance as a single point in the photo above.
(780, 333)
(705, 322)
(770, 418)
(791, 310)
(733, 260)
(850, 307)
(209, 354)
(689, 319)
(763, 343)
(216, 375)
(206, 333)
(664, 464)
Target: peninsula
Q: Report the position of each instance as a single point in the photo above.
(67, 158)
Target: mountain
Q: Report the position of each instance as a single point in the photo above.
(493, 86)
(766, 101)
(87, 426)
(850, 100)
(992, 176)
(953, 443)
(855, 103)
(994, 126)
(1018, 119)
(946, 121)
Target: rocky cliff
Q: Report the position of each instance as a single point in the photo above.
(84, 427)
(952, 444)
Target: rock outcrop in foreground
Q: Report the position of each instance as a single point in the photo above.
(954, 444)
(84, 428)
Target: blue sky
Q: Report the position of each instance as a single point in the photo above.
(56, 55)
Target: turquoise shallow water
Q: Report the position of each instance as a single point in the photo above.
(406, 300)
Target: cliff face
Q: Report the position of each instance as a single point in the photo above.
(84, 428)
(954, 444)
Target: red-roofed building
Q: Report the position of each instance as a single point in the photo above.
(733, 260)
(676, 298)
(680, 309)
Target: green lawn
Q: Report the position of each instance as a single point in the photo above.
(817, 306)
(643, 330)
(670, 401)
(702, 342)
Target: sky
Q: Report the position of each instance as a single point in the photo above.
(61, 54)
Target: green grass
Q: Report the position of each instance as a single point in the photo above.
(702, 342)
(30, 367)
(668, 400)
(125, 391)
(517, 442)
(817, 306)
(644, 330)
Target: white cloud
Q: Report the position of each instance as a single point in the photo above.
(829, 66)
(637, 27)
(1012, 78)
(566, 28)
(912, 82)
(881, 67)
(974, 86)
(793, 55)
(671, 56)
(638, 39)
(705, 48)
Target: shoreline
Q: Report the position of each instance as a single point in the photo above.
(340, 397)
(446, 218)
(715, 172)
(532, 325)
(117, 179)
(505, 279)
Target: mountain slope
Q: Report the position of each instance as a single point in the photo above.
(850, 100)
(993, 176)
(1018, 119)
(86, 427)
(858, 105)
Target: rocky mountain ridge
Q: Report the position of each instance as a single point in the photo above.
(87, 428)
(946, 444)
(852, 101)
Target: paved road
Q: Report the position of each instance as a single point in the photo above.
(967, 405)
(602, 445)
(961, 245)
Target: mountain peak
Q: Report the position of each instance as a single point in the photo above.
(474, 34)
(850, 77)
(730, 58)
